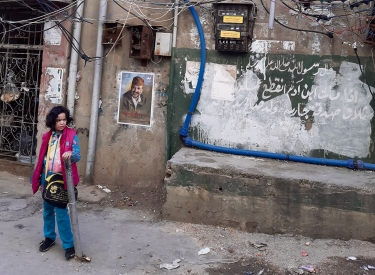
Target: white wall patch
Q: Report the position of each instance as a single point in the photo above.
(54, 90)
(316, 44)
(223, 82)
(265, 46)
(52, 33)
(344, 107)
(191, 76)
(219, 80)
(289, 45)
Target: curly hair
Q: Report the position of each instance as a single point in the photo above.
(54, 113)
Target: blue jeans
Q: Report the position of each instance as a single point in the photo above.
(63, 223)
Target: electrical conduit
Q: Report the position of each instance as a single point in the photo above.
(185, 128)
(74, 59)
(95, 96)
(188, 141)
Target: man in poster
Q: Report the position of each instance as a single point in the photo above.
(132, 100)
(134, 106)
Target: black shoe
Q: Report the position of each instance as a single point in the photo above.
(46, 244)
(69, 253)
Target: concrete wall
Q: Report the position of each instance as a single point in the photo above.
(269, 196)
(53, 85)
(125, 154)
(295, 92)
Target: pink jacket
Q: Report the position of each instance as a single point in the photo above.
(66, 143)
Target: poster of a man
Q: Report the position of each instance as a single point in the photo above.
(135, 98)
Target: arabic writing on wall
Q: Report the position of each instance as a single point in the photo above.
(284, 105)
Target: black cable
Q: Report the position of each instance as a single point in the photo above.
(21, 28)
(321, 16)
(144, 21)
(329, 34)
(41, 31)
(69, 37)
(140, 18)
(348, 23)
(360, 67)
(26, 5)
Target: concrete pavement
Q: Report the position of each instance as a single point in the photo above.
(129, 241)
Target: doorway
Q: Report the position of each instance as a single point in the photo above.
(21, 51)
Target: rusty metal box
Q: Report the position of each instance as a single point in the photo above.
(111, 33)
(140, 42)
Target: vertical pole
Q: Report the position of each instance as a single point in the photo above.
(272, 14)
(96, 96)
(72, 209)
(72, 80)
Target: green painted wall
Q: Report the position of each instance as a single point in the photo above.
(279, 66)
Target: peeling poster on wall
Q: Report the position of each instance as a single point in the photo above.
(52, 33)
(135, 98)
(54, 90)
(219, 79)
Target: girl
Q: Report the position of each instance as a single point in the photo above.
(58, 145)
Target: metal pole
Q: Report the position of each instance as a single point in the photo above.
(272, 14)
(95, 96)
(72, 209)
(72, 81)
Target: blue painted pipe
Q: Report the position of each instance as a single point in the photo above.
(350, 163)
(188, 141)
(193, 104)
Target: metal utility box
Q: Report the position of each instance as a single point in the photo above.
(111, 32)
(234, 25)
(163, 44)
(140, 42)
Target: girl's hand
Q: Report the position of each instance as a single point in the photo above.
(67, 155)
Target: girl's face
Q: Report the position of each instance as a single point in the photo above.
(60, 122)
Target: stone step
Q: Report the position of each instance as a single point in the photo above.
(270, 196)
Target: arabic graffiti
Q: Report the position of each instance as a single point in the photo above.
(283, 104)
(301, 83)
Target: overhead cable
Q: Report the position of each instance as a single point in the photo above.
(328, 33)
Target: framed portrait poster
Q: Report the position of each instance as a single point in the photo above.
(135, 98)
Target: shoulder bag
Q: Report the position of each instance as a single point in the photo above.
(53, 189)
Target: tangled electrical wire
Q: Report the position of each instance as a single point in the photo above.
(348, 13)
(344, 19)
(49, 7)
(47, 10)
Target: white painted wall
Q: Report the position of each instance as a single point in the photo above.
(339, 99)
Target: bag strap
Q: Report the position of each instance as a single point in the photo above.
(49, 151)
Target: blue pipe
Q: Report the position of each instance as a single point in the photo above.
(350, 163)
(193, 104)
(188, 141)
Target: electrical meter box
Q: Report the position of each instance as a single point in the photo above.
(140, 42)
(111, 33)
(234, 25)
(163, 44)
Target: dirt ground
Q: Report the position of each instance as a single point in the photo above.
(124, 234)
(145, 196)
(263, 260)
